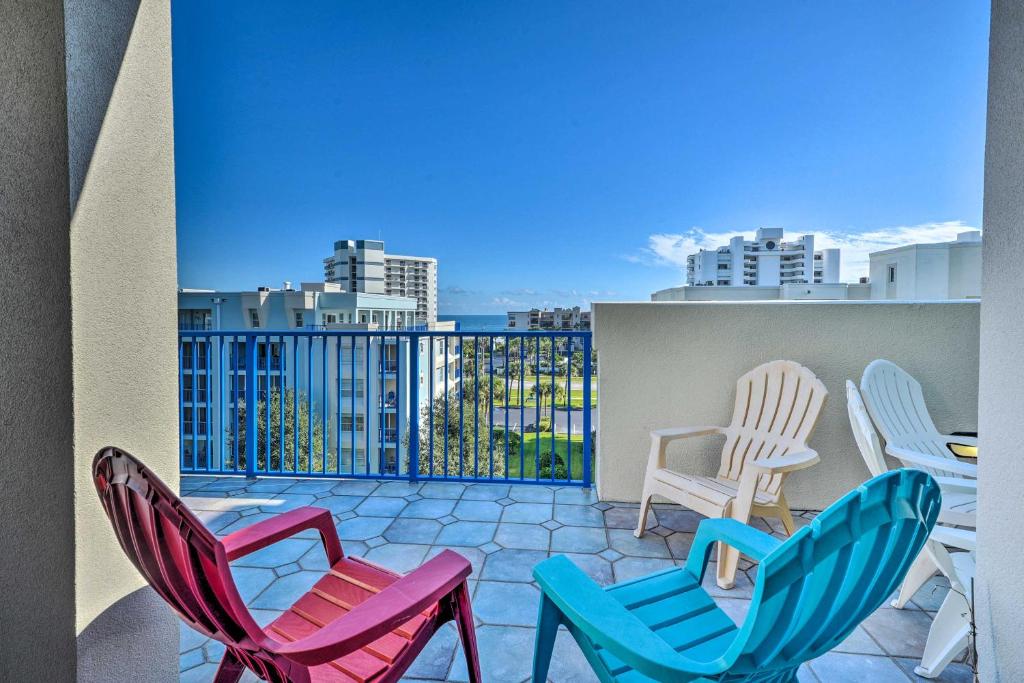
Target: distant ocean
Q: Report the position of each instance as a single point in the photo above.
(478, 323)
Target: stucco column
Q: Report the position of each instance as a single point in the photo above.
(87, 268)
(999, 591)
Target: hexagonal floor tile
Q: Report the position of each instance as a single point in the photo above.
(467, 533)
(373, 506)
(514, 604)
(649, 545)
(399, 557)
(523, 536)
(362, 528)
(578, 515)
(428, 508)
(576, 539)
(282, 552)
(449, 491)
(477, 511)
(527, 513)
(512, 565)
(411, 530)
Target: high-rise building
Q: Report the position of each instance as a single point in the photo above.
(363, 266)
(766, 261)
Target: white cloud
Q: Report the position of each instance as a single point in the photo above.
(856, 246)
(671, 249)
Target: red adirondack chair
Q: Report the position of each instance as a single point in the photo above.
(359, 622)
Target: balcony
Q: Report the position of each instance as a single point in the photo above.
(504, 529)
(504, 522)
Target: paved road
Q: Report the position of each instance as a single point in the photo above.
(529, 416)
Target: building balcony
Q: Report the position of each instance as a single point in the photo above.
(504, 530)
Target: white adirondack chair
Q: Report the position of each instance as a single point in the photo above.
(950, 631)
(896, 404)
(777, 407)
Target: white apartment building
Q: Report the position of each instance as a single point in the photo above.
(945, 270)
(543, 319)
(366, 377)
(363, 266)
(766, 261)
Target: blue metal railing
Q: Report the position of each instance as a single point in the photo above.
(410, 404)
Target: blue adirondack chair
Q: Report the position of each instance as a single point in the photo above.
(811, 591)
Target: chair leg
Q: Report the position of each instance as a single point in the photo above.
(547, 629)
(923, 568)
(230, 669)
(785, 516)
(467, 631)
(739, 509)
(947, 637)
(645, 509)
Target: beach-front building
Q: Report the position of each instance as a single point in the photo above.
(766, 260)
(363, 266)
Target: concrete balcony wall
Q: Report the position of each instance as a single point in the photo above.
(676, 364)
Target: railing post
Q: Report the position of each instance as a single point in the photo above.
(414, 406)
(586, 410)
(251, 409)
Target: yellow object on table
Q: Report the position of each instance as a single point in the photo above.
(961, 450)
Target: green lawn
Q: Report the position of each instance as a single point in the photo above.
(530, 453)
(575, 398)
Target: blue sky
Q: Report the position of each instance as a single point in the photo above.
(561, 152)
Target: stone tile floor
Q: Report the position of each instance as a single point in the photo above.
(504, 530)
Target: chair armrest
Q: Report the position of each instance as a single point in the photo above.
(958, 538)
(786, 463)
(262, 534)
(933, 461)
(609, 624)
(750, 541)
(674, 433)
(957, 485)
(382, 613)
(660, 439)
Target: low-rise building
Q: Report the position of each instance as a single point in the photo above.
(542, 319)
(839, 291)
(945, 270)
(364, 378)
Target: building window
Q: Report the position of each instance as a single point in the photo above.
(298, 319)
(254, 317)
(194, 319)
(892, 273)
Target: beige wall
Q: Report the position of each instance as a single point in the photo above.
(999, 590)
(124, 300)
(88, 233)
(676, 364)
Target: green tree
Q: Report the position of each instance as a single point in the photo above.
(542, 393)
(292, 424)
(475, 442)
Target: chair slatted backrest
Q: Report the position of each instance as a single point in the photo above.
(814, 589)
(179, 557)
(864, 432)
(896, 404)
(777, 407)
